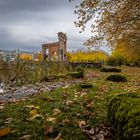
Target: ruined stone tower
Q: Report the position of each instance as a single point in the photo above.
(55, 51)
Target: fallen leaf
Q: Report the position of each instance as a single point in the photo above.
(37, 107)
(50, 99)
(81, 123)
(51, 119)
(90, 105)
(65, 87)
(76, 96)
(56, 112)
(92, 131)
(4, 131)
(25, 137)
(83, 94)
(1, 107)
(32, 106)
(96, 133)
(66, 121)
(69, 102)
(8, 120)
(34, 114)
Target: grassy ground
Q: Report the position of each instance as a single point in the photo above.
(63, 108)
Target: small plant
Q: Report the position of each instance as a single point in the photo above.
(117, 78)
(109, 69)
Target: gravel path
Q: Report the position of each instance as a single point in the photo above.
(20, 93)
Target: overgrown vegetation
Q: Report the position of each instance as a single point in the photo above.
(124, 114)
(61, 109)
(64, 109)
(25, 72)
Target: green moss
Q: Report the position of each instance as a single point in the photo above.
(124, 115)
(86, 85)
(110, 69)
(117, 78)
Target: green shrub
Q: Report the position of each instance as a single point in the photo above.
(78, 74)
(86, 85)
(117, 78)
(108, 69)
(124, 115)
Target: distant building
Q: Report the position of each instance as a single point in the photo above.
(7, 55)
(12, 56)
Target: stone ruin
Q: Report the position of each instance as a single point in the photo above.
(55, 51)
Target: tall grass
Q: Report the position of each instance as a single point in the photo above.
(26, 72)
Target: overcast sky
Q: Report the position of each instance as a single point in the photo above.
(26, 24)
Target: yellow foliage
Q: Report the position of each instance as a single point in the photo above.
(26, 56)
(89, 56)
(123, 50)
(34, 114)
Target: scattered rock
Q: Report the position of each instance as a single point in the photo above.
(21, 93)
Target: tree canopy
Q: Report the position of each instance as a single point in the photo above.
(113, 20)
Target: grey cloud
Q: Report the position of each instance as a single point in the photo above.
(26, 24)
(30, 5)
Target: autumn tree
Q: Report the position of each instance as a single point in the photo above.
(112, 21)
(122, 55)
(87, 56)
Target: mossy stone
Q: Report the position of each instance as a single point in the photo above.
(117, 78)
(110, 69)
(124, 115)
